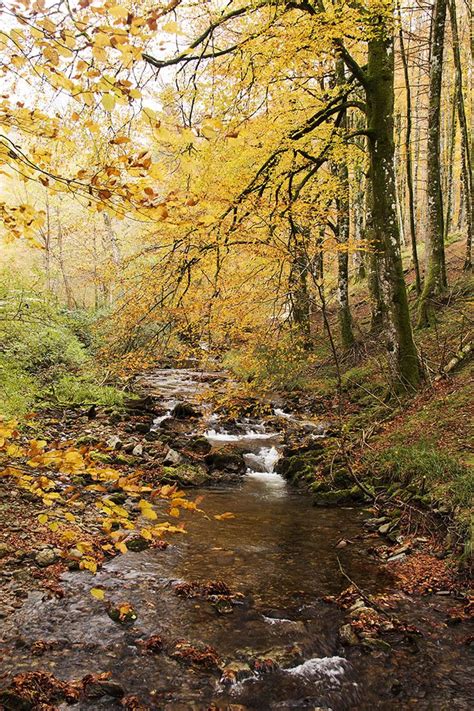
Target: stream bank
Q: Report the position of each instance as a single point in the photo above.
(280, 605)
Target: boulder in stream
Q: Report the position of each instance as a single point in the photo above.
(185, 411)
(226, 460)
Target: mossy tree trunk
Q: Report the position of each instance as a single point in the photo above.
(435, 283)
(403, 358)
(466, 154)
(342, 235)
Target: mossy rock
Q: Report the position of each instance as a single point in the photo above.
(339, 497)
(341, 479)
(101, 457)
(137, 544)
(299, 467)
(226, 460)
(87, 439)
(186, 474)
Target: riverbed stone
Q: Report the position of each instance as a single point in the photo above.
(347, 636)
(186, 474)
(6, 549)
(45, 557)
(137, 544)
(226, 460)
(185, 411)
(95, 689)
(300, 467)
(172, 458)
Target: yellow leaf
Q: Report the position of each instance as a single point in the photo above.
(149, 513)
(121, 546)
(224, 516)
(89, 564)
(174, 512)
(70, 517)
(171, 27)
(108, 101)
(118, 11)
(53, 526)
(42, 518)
(98, 593)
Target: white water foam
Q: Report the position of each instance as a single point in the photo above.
(277, 620)
(281, 413)
(262, 461)
(227, 437)
(332, 667)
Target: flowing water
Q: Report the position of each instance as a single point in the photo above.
(279, 552)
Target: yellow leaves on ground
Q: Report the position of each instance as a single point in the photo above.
(224, 516)
(117, 521)
(98, 593)
(146, 509)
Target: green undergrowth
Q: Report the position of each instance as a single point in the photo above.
(47, 353)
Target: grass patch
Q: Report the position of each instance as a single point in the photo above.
(423, 467)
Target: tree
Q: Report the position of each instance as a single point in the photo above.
(436, 282)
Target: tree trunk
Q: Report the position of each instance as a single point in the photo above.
(408, 165)
(376, 302)
(450, 166)
(298, 284)
(70, 300)
(403, 358)
(435, 278)
(466, 157)
(342, 206)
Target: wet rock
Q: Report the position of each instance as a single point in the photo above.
(375, 643)
(198, 445)
(95, 689)
(277, 657)
(347, 636)
(45, 557)
(357, 611)
(199, 655)
(184, 411)
(172, 458)
(186, 474)
(153, 645)
(114, 442)
(299, 467)
(142, 427)
(235, 671)
(124, 613)
(75, 554)
(226, 460)
(137, 544)
(374, 523)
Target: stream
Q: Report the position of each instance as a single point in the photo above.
(279, 552)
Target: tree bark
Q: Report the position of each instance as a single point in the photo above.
(408, 164)
(435, 282)
(343, 226)
(466, 157)
(401, 350)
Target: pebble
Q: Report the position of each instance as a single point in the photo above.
(45, 557)
(5, 550)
